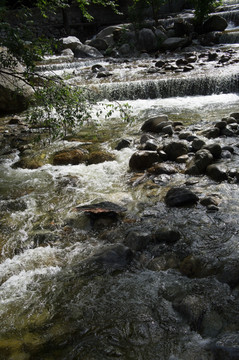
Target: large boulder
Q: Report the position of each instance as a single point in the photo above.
(15, 93)
(70, 156)
(86, 51)
(70, 42)
(214, 23)
(99, 44)
(147, 40)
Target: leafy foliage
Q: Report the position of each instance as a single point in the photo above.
(136, 11)
(59, 109)
(203, 8)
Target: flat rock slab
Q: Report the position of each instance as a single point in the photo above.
(104, 208)
(180, 197)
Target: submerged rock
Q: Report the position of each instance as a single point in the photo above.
(177, 196)
(115, 257)
(100, 156)
(72, 156)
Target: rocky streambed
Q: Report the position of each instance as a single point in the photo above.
(135, 256)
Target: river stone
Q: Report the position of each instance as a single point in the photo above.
(199, 163)
(85, 51)
(172, 43)
(214, 23)
(235, 115)
(145, 137)
(160, 63)
(160, 35)
(203, 158)
(168, 236)
(147, 40)
(142, 160)
(71, 156)
(115, 257)
(159, 169)
(216, 172)
(221, 124)
(168, 129)
(228, 132)
(138, 239)
(100, 156)
(67, 52)
(99, 44)
(197, 144)
(151, 144)
(124, 143)
(151, 124)
(212, 133)
(177, 196)
(70, 42)
(175, 149)
(191, 307)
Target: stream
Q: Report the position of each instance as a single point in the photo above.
(73, 291)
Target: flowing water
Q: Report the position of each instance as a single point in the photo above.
(177, 301)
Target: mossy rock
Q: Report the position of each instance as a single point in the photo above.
(70, 157)
(28, 163)
(100, 156)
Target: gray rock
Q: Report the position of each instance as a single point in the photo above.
(159, 169)
(173, 43)
(178, 196)
(85, 51)
(67, 52)
(124, 143)
(115, 257)
(142, 160)
(138, 239)
(215, 150)
(235, 115)
(168, 129)
(70, 42)
(151, 144)
(99, 44)
(212, 133)
(152, 124)
(168, 236)
(197, 144)
(175, 149)
(147, 40)
(203, 158)
(160, 35)
(216, 172)
(214, 23)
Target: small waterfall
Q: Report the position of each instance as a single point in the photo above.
(231, 16)
(163, 88)
(230, 37)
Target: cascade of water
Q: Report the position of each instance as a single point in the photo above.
(163, 88)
